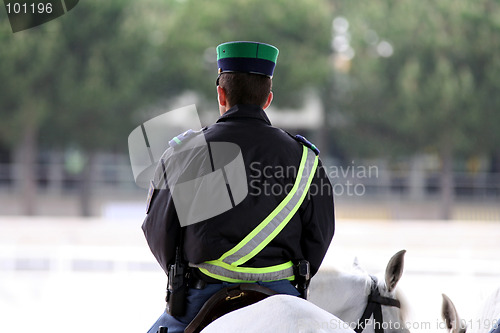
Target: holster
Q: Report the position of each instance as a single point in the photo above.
(302, 272)
(226, 300)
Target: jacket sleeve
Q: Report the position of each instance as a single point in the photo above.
(161, 227)
(318, 219)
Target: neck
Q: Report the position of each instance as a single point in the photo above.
(223, 108)
(350, 292)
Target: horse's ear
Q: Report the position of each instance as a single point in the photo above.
(451, 317)
(394, 270)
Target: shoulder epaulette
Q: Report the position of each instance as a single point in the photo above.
(307, 143)
(177, 140)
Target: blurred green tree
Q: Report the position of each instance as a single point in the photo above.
(27, 75)
(422, 79)
(105, 58)
(301, 31)
(76, 81)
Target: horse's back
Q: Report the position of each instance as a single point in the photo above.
(279, 313)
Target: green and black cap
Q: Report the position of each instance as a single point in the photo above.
(247, 57)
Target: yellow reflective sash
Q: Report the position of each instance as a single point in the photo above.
(226, 268)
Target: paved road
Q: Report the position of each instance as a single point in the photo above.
(98, 275)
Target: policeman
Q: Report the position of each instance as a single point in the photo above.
(286, 216)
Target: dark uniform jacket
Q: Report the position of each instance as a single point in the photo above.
(272, 158)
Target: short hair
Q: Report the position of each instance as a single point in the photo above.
(245, 88)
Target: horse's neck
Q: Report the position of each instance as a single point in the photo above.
(349, 299)
(349, 295)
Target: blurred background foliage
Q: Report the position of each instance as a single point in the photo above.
(396, 79)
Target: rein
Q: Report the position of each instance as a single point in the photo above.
(374, 306)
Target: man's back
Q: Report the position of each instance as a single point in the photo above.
(271, 158)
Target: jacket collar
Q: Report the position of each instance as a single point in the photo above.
(245, 111)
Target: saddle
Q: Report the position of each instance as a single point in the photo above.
(226, 300)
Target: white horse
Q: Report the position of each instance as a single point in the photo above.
(351, 296)
(488, 318)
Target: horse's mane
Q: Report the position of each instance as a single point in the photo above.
(405, 308)
(489, 311)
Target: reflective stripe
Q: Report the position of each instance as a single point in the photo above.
(226, 267)
(228, 273)
(254, 242)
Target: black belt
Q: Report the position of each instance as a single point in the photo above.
(198, 280)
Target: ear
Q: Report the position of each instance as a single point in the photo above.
(394, 270)
(221, 96)
(451, 317)
(269, 100)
